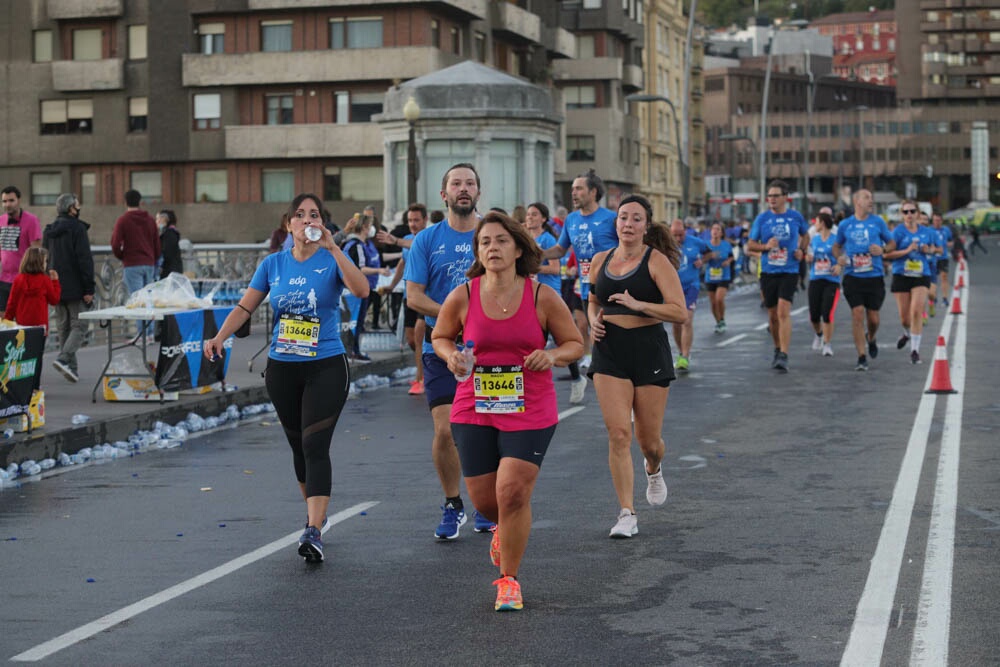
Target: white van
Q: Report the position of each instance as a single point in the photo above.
(894, 217)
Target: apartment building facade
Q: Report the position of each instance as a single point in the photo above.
(671, 150)
(864, 45)
(224, 109)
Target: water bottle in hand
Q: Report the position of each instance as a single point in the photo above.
(469, 358)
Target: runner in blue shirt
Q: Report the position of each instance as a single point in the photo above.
(536, 220)
(781, 235)
(436, 264)
(693, 253)
(719, 275)
(307, 375)
(861, 241)
(915, 244)
(824, 284)
(590, 229)
(945, 234)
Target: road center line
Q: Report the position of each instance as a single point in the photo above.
(732, 340)
(800, 310)
(125, 613)
(933, 625)
(569, 412)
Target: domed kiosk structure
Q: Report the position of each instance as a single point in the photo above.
(469, 112)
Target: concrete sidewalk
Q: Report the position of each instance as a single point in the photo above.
(111, 421)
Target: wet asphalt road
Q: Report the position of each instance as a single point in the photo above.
(779, 489)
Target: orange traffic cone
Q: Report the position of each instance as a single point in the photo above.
(941, 380)
(961, 281)
(961, 261)
(956, 306)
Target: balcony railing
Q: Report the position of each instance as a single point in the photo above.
(82, 75)
(82, 9)
(256, 142)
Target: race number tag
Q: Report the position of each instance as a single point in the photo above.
(498, 390)
(297, 334)
(914, 268)
(715, 273)
(584, 268)
(777, 256)
(861, 263)
(822, 267)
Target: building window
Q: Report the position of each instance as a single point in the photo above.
(211, 185)
(580, 97)
(435, 34)
(67, 116)
(593, 4)
(364, 106)
(275, 36)
(580, 148)
(342, 107)
(87, 44)
(212, 38)
(456, 41)
(364, 33)
(207, 111)
(480, 45)
(42, 46)
(585, 46)
(149, 183)
(138, 114)
(352, 183)
(278, 185)
(280, 110)
(45, 188)
(137, 42)
(88, 187)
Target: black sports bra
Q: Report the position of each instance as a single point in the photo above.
(638, 282)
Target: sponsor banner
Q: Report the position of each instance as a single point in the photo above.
(20, 365)
(182, 363)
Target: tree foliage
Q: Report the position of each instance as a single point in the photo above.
(724, 13)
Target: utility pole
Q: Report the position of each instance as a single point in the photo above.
(763, 120)
(685, 146)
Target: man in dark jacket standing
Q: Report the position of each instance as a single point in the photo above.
(69, 253)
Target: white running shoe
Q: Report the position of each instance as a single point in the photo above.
(626, 526)
(585, 362)
(817, 343)
(576, 391)
(656, 488)
(827, 350)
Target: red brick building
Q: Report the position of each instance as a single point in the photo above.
(864, 45)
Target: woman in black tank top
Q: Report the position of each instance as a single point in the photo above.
(635, 290)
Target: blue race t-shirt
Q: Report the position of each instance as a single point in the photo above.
(916, 263)
(405, 253)
(716, 272)
(546, 240)
(589, 235)
(855, 238)
(438, 260)
(787, 227)
(692, 248)
(944, 236)
(823, 259)
(309, 289)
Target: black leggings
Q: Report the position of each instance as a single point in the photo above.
(308, 397)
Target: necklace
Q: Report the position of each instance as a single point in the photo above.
(510, 298)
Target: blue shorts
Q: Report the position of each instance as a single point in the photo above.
(690, 295)
(439, 382)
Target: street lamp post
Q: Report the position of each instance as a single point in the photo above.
(411, 111)
(753, 161)
(682, 165)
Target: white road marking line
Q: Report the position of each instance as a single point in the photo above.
(871, 619)
(797, 311)
(125, 613)
(569, 412)
(731, 340)
(933, 625)
(761, 327)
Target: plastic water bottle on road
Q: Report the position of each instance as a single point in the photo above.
(470, 357)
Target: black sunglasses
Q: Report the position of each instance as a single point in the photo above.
(909, 210)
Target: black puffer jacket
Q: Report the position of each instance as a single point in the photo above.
(69, 254)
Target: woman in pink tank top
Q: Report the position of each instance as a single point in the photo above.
(504, 416)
